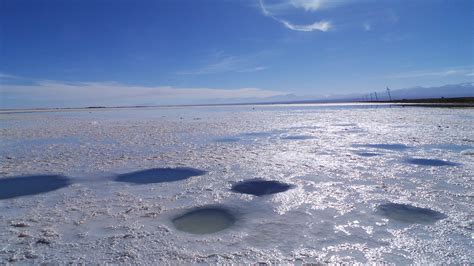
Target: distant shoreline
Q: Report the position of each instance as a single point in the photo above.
(433, 102)
(458, 102)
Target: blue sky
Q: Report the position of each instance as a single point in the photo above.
(79, 53)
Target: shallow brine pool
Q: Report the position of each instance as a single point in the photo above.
(242, 184)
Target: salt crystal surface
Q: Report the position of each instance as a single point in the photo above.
(354, 163)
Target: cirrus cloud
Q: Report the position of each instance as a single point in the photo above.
(309, 5)
(321, 26)
(314, 5)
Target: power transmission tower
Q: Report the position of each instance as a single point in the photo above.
(389, 96)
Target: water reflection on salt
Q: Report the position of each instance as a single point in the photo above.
(430, 162)
(409, 214)
(159, 175)
(31, 185)
(260, 187)
(204, 220)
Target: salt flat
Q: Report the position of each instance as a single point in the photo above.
(362, 183)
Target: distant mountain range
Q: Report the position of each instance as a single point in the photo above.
(446, 91)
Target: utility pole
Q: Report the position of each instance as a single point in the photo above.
(389, 96)
(376, 98)
(371, 99)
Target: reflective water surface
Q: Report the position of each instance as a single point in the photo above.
(204, 220)
(159, 175)
(372, 184)
(430, 162)
(409, 214)
(13, 187)
(260, 187)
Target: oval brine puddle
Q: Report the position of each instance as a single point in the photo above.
(228, 140)
(368, 154)
(345, 125)
(258, 187)
(430, 162)
(256, 134)
(204, 220)
(409, 214)
(468, 152)
(392, 146)
(297, 137)
(159, 175)
(13, 187)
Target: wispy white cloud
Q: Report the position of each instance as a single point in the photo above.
(264, 8)
(309, 5)
(253, 69)
(221, 63)
(456, 71)
(112, 93)
(313, 5)
(280, 6)
(7, 76)
(321, 26)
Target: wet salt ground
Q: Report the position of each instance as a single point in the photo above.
(342, 207)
